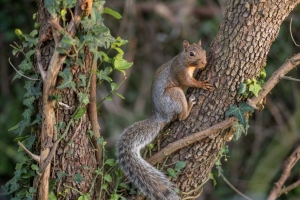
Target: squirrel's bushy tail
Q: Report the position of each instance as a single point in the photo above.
(149, 180)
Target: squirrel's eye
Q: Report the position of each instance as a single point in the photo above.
(192, 53)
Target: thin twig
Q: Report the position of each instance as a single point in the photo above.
(288, 188)
(232, 187)
(33, 156)
(287, 167)
(290, 78)
(292, 33)
(33, 79)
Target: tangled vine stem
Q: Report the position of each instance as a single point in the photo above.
(287, 167)
(267, 87)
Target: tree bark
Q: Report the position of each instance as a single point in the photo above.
(237, 53)
(74, 163)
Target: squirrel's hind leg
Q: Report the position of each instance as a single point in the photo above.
(178, 104)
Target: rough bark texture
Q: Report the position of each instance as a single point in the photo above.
(74, 162)
(237, 53)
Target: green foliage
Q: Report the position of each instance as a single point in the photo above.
(239, 112)
(222, 154)
(252, 86)
(78, 178)
(239, 129)
(96, 36)
(112, 13)
(68, 80)
(178, 167)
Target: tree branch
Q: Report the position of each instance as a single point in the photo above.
(274, 79)
(33, 156)
(287, 167)
(195, 137)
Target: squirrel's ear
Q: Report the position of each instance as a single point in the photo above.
(185, 45)
(199, 43)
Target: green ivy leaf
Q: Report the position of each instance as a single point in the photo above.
(70, 3)
(255, 88)
(211, 177)
(52, 6)
(172, 173)
(29, 141)
(107, 177)
(60, 175)
(243, 88)
(104, 186)
(114, 196)
(239, 112)
(119, 42)
(179, 166)
(37, 120)
(78, 178)
(110, 162)
(84, 98)
(29, 102)
(103, 74)
(104, 56)
(34, 167)
(25, 66)
(67, 42)
(15, 127)
(124, 185)
(112, 13)
(82, 79)
(108, 98)
(121, 64)
(68, 80)
(239, 130)
(21, 126)
(86, 196)
(101, 141)
(52, 196)
(60, 125)
(80, 113)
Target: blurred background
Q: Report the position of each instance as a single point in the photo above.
(155, 31)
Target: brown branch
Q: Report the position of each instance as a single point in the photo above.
(195, 137)
(289, 188)
(33, 156)
(287, 167)
(92, 112)
(274, 79)
(159, 156)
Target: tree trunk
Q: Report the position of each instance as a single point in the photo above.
(237, 53)
(74, 163)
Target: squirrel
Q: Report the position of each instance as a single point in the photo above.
(169, 102)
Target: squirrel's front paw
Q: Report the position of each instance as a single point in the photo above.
(207, 86)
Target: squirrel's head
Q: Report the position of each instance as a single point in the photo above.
(194, 55)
